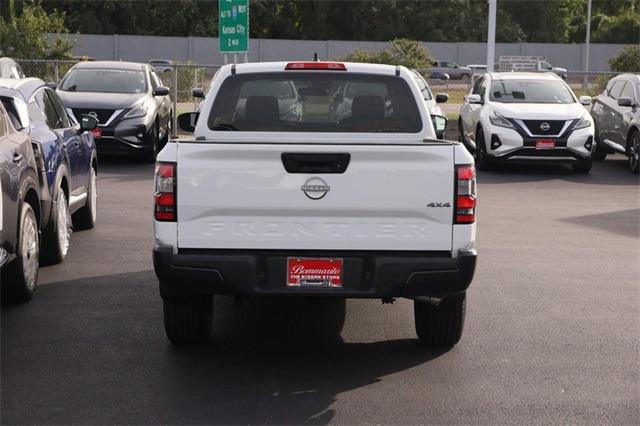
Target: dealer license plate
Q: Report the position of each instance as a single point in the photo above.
(313, 272)
(545, 144)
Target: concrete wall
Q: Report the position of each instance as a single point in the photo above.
(204, 50)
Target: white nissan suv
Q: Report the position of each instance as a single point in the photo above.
(518, 117)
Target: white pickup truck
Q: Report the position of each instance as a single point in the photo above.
(291, 188)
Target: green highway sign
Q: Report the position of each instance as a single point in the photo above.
(233, 25)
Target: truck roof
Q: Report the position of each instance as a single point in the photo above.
(259, 67)
(117, 65)
(523, 75)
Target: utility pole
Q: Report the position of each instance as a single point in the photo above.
(491, 35)
(585, 81)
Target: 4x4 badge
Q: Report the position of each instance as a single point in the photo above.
(439, 204)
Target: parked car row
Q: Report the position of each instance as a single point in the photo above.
(50, 138)
(521, 117)
(48, 175)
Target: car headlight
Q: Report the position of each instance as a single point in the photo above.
(583, 123)
(500, 120)
(137, 111)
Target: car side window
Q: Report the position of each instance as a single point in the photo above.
(154, 80)
(12, 113)
(423, 87)
(3, 123)
(477, 86)
(627, 92)
(616, 89)
(49, 110)
(63, 119)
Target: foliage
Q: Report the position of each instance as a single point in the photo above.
(628, 60)
(26, 36)
(401, 51)
(558, 21)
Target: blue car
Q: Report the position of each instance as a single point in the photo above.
(67, 161)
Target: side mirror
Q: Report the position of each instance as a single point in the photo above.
(474, 99)
(625, 102)
(439, 125)
(197, 92)
(51, 85)
(187, 121)
(161, 91)
(88, 123)
(585, 100)
(439, 75)
(442, 98)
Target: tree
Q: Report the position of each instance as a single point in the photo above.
(402, 51)
(628, 60)
(26, 35)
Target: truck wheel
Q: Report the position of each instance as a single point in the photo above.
(21, 276)
(188, 321)
(440, 325)
(582, 167)
(85, 218)
(57, 235)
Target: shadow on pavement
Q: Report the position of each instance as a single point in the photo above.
(623, 222)
(610, 172)
(93, 351)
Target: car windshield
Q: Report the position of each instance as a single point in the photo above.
(298, 101)
(104, 81)
(530, 92)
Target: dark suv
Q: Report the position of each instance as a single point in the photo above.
(66, 158)
(616, 113)
(132, 106)
(19, 209)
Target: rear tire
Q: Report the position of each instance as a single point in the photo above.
(85, 218)
(21, 276)
(57, 238)
(633, 151)
(440, 325)
(188, 321)
(583, 166)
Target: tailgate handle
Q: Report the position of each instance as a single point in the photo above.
(315, 163)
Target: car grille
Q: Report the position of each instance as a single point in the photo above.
(103, 115)
(555, 126)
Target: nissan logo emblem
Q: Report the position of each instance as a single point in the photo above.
(545, 127)
(315, 188)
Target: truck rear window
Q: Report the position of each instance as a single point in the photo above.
(293, 101)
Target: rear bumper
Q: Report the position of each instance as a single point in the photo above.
(263, 272)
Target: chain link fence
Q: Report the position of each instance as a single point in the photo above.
(181, 78)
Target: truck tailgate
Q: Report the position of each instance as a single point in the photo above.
(240, 196)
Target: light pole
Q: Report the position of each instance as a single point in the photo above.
(491, 35)
(585, 81)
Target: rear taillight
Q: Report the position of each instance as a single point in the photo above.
(465, 208)
(313, 65)
(164, 198)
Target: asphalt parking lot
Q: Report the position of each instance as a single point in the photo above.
(551, 336)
